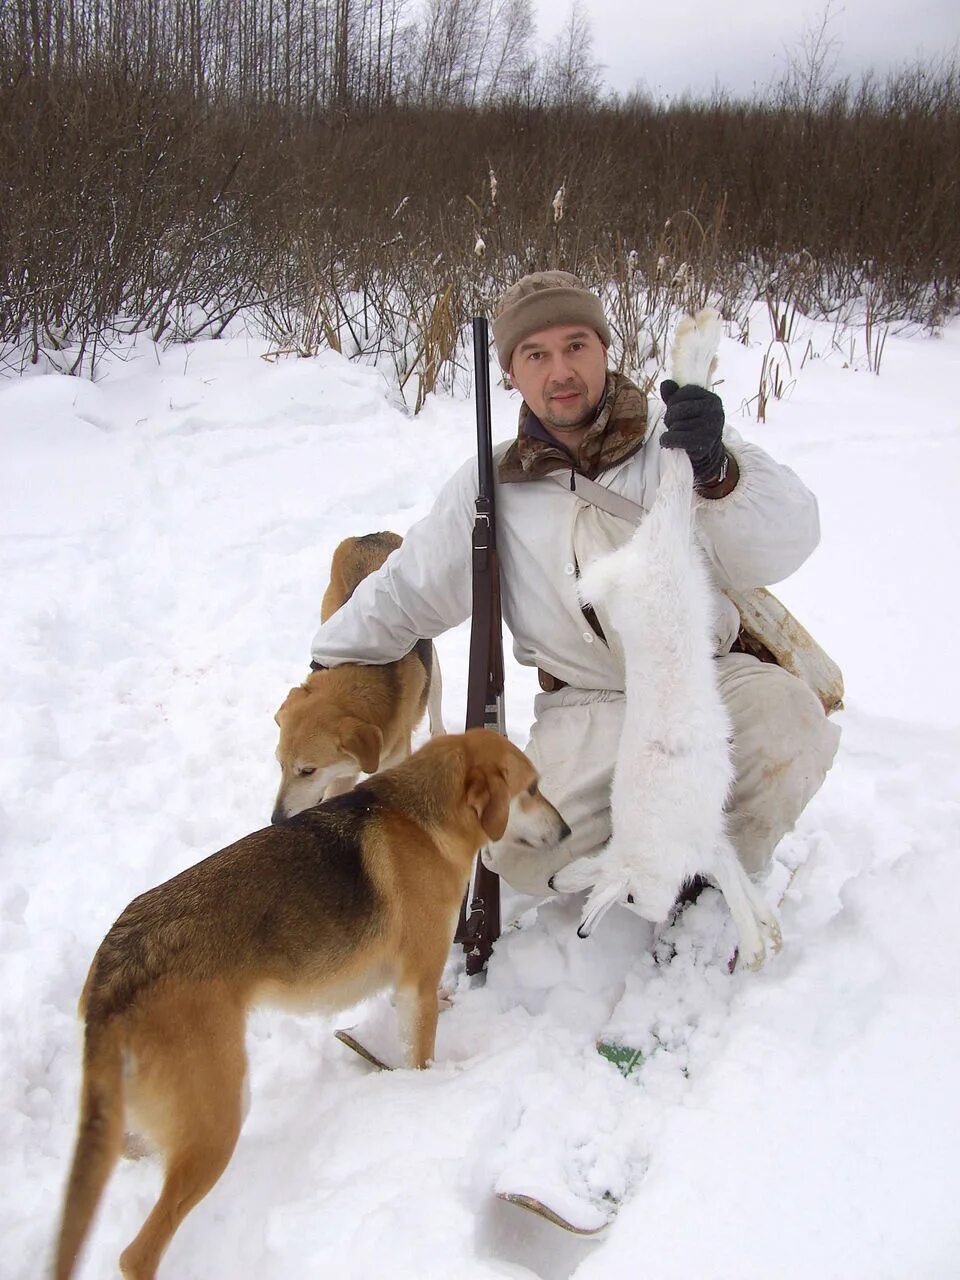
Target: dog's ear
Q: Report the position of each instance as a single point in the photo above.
(362, 741)
(296, 693)
(488, 796)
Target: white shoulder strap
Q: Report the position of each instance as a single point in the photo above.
(599, 495)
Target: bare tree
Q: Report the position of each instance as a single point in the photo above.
(574, 75)
(508, 30)
(812, 63)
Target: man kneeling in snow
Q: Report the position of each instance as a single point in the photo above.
(758, 525)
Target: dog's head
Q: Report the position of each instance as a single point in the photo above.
(502, 790)
(318, 745)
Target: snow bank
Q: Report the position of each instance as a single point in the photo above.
(165, 539)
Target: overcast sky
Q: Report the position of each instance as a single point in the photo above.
(677, 45)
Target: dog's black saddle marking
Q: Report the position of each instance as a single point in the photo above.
(343, 813)
(424, 651)
(361, 802)
(326, 844)
(363, 538)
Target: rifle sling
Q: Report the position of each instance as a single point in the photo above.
(599, 495)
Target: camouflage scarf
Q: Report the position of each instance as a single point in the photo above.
(616, 434)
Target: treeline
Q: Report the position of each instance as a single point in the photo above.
(311, 55)
(144, 187)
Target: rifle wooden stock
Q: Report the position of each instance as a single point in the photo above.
(479, 925)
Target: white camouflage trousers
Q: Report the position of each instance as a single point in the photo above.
(783, 746)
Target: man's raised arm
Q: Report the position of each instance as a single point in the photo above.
(764, 529)
(422, 590)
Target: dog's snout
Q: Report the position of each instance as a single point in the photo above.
(278, 816)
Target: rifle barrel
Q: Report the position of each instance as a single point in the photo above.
(479, 925)
(481, 364)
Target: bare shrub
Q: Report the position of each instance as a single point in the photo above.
(168, 168)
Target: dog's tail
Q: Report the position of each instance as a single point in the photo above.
(99, 1139)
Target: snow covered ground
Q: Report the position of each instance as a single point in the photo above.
(166, 535)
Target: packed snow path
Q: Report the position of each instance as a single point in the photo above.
(165, 538)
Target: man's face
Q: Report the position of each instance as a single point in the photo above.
(561, 373)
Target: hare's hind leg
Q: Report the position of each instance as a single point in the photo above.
(756, 923)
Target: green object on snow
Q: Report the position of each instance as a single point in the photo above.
(625, 1058)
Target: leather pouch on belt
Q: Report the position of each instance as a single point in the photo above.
(549, 683)
(770, 632)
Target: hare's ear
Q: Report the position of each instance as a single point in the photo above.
(487, 795)
(599, 903)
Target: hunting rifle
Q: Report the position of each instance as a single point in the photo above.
(479, 925)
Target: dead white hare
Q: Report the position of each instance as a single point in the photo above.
(674, 769)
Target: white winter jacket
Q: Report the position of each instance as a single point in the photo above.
(755, 536)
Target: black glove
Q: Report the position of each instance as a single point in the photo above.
(694, 421)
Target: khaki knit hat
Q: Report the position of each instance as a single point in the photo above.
(540, 300)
